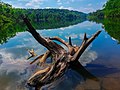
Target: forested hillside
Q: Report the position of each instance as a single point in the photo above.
(7, 13)
(11, 22)
(110, 10)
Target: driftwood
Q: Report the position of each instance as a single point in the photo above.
(62, 59)
(32, 53)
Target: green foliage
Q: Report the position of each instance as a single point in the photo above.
(112, 8)
(112, 26)
(109, 17)
(11, 22)
(99, 14)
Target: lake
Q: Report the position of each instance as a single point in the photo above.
(102, 58)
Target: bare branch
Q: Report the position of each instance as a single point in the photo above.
(84, 45)
(44, 57)
(39, 57)
(39, 72)
(70, 42)
(51, 46)
(32, 53)
(60, 40)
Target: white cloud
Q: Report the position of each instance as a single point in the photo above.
(69, 8)
(72, 0)
(58, 1)
(34, 3)
(10, 64)
(61, 7)
(87, 57)
(13, 71)
(87, 9)
(89, 4)
(62, 28)
(48, 7)
(73, 36)
(67, 2)
(82, 35)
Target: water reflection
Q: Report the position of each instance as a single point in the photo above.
(9, 30)
(112, 26)
(13, 54)
(101, 58)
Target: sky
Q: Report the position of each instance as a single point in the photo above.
(85, 6)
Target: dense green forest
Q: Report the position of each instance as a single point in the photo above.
(7, 13)
(11, 22)
(110, 10)
(99, 14)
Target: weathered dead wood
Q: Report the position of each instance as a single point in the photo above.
(39, 57)
(71, 49)
(86, 42)
(50, 45)
(32, 53)
(62, 60)
(44, 57)
(70, 42)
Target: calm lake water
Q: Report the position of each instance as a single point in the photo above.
(102, 59)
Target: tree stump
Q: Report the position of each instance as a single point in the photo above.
(62, 59)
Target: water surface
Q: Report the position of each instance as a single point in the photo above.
(101, 58)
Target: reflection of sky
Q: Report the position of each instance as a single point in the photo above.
(13, 54)
(18, 45)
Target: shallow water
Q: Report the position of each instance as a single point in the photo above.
(101, 58)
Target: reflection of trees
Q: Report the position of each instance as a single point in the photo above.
(10, 19)
(6, 32)
(10, 29)
(56, 24)
(112, 26)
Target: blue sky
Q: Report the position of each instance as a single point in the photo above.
(78, 5)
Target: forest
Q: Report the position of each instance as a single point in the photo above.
(11, 22)
(7, 13)
(109, 17)
(110, 10)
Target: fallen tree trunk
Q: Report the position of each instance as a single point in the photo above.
(62, 60)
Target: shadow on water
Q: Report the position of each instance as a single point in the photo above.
(69, 81)
(101, 70)
(76, 81)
